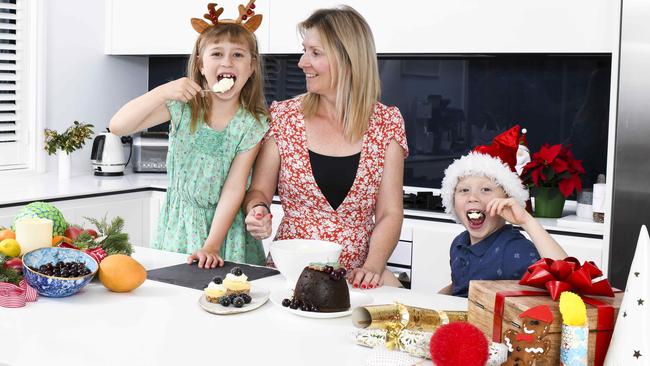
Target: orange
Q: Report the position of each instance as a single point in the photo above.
(121, 273)
(7, 234)
(58, 239)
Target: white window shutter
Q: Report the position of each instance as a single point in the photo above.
(13, 129)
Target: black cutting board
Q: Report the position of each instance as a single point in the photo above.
(190, 275)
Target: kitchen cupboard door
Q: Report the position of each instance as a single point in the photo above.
(7, 214)
(151, 214)
(129, 206)
(162, 27)
(584, 249)
(430, 269)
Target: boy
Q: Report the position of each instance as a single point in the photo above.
(482, 192)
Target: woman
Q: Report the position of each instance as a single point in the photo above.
(335, 154)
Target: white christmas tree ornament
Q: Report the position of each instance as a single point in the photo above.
(630, 345)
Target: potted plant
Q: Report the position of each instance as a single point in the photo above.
(63, 144)
(553, 174)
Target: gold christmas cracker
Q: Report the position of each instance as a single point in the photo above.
(404, 317)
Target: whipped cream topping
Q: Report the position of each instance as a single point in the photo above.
(232, 277)
(474, 215)
(214, 286)
(223, 85)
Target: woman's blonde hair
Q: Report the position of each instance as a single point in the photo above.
(347, 37)
(252, 94)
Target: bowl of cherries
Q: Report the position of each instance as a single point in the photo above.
(58, 272)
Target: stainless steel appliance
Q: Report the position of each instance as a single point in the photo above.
(631, 193)
(150, 152)
(107, 155)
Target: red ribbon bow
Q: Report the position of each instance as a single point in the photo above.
(12, 296)
(558, 276)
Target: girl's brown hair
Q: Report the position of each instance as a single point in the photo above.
(252, 94)
(348, 39)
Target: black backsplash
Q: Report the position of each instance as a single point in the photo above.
(453, 103)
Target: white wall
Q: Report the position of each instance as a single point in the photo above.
(82, 83)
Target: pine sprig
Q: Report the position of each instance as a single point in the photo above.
(114, 240)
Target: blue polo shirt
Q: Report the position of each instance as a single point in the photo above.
(503, 255)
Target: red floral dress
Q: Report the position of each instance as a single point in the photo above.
(307, 214)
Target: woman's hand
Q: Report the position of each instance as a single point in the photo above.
(509, 209)
(365, 277)
(206, 258)
(183, 89)
(258, 222)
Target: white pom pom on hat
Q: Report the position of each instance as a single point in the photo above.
(484, 165)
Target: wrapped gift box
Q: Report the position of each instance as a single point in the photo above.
(481, 305)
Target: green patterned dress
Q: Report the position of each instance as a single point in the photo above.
(197, 167)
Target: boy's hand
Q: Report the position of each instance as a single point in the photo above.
(509, 209)
(258, 222)
(206, 258)
(183, 90)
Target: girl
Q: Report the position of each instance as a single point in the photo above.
(213, 141)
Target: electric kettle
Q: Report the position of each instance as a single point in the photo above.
(107, 155)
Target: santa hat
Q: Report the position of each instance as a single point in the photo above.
(496, 161)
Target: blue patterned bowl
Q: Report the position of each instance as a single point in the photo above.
(52, 286)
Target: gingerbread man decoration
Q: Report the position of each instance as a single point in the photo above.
(528, 345)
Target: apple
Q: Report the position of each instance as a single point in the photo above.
(72, 232)
(92, 233)
(15, 263)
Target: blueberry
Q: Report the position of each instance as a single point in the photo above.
(224, 301)
(286, 303)
(294, 305)
(335, 276)
(218, 280)
(238, 302)
(236, 271)
(247, 298)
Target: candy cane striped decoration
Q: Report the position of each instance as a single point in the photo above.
(12, 296)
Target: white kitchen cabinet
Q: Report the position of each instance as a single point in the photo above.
(155, 204)
(162, 27)
(132, 207)
(148, 27)
(473, 26)
(430, 269)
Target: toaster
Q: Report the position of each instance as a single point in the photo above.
(150, 152)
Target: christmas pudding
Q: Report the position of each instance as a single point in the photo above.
(321, 288)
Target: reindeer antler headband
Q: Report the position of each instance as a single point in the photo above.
(247, 18)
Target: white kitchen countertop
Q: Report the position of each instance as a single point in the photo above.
(162, 324)
(21, 189)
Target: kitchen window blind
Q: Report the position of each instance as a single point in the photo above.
(13, 133)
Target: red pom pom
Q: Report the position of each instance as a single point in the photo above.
(459, 344)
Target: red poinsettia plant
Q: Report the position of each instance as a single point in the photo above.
(554, 166)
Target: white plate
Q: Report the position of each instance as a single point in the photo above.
(357, 298)
(259, 296)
